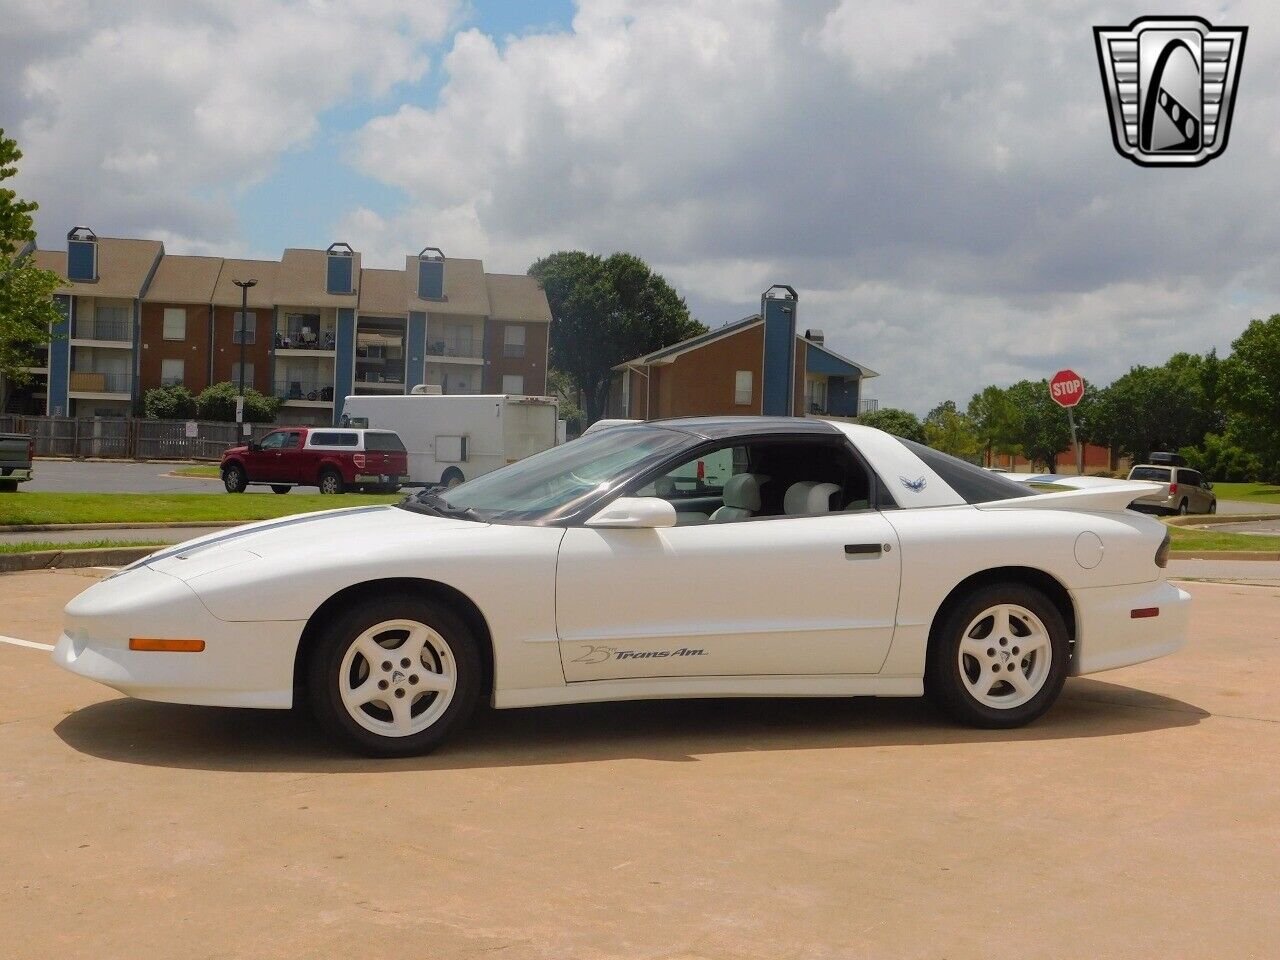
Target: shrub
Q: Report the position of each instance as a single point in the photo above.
(170, 403)
(218, 402)
(1221, 458)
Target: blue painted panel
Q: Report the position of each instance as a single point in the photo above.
(339, 275)
(779, 356)
(431, 279)
(415, 351)
(344, 359)
(842, 396)
(60, 357)
(82, 260)
(817, 360)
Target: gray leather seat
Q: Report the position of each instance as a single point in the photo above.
(809, 497)
(741, 498)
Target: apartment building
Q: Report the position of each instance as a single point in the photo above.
(318, 326)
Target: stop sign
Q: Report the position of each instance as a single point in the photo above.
(1066, 388)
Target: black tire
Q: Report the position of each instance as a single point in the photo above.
(324, 668)
(234, 478)
(280, 488)
(331, 481)
(452, 477)
(946, 688)
(1183, 509)
(8, 486)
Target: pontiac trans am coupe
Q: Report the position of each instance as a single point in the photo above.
(708, 557)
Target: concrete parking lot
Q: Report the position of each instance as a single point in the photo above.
(1140, 818)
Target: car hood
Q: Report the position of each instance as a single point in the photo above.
(337, 533)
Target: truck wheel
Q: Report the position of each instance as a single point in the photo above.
(8, 486)
(280, 488)
(452, 477)
(234, 478)
(999, 659)
(331, 481)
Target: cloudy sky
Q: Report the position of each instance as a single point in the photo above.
(936, 177)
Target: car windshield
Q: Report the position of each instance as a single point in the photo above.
(553, 483)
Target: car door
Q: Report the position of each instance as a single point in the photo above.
(258, 463)
(283, 461)
(763, 593)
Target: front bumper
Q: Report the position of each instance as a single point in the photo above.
(242, 665)
(1108, 635)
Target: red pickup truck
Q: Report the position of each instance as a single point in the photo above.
(333, 459)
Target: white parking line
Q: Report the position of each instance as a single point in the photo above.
(26, 643)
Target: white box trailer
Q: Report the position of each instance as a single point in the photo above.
(459, 437)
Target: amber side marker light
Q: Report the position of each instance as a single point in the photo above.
(152, 645)
(1143, 612)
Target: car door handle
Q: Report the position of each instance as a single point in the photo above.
(863, 549)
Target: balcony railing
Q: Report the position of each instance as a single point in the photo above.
(456, 347)
(868, 406)
(380, 379)
(513, 350)
(113, 328)
(172, 381)
(303, 390)
(94, 381)
(324, 340)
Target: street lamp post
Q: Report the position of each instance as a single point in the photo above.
(244, 286)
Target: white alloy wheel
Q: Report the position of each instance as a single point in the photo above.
(1005, 656)
(397, 678)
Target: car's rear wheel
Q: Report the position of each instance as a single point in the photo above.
(395, 676)
(451, 477)
(1182, 509)
(1213, 506)
(280, 488)
(234, 478)
(331, 481)
(999, 659)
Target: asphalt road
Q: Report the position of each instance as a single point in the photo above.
(112, 476)
(1136, 819)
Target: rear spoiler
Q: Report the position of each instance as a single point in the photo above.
(1109, 499)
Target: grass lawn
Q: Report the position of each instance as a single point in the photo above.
(200, 470)
(31, 546)
(1248, 492)
(1184, 539)
(169, 507)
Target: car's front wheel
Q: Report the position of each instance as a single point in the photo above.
(999, 658)
(234, 478)
(395, 676)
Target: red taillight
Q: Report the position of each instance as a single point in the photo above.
(1143, 612)
(702, 470)
(358, 459)
(1173, 489)
(31, 449)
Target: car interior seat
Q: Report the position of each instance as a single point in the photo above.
(807, 497)
(741, 497)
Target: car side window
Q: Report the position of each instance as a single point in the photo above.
(292, 440)
(274, 441)
(703, 476)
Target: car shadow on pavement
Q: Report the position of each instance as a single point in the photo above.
(224, 739)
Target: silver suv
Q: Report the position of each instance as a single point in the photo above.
(1185, 491)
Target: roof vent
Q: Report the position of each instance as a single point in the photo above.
(431, 273)
(339, 275)
(82, 255)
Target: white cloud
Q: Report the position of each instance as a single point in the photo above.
(936, 178)
(145, 118)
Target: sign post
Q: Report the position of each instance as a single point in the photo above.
(1066, 389)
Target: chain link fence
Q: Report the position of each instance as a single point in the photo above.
(128, 439)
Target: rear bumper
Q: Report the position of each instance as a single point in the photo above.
(381, 478)
(1109, 636)
(15, 473)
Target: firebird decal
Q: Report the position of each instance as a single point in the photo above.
(915, 486)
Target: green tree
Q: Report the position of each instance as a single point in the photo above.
(995, 422)
(606, 310)
(950, 431)
(561, 386)
(1157, 408)
(218, 402)
(27, 310)
(901, 423)
(1251, 392)
(1041, 430)
(1222, 458)
(171, 403)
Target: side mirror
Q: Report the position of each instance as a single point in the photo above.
(254, 445)
(635, 513)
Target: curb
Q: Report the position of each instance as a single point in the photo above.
(1263, 555)
(1214, 519)
(58, 559)
(179, 476)
(141, 525)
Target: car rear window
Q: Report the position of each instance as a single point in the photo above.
(334, 439)
(1156, 474)
(384, 442)
(972, 483)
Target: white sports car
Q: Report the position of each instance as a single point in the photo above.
(704, 557)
